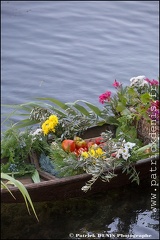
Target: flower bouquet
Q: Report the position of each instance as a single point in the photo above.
(56, 134)
(135, 107)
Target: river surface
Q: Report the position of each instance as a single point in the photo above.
(123, 213)
(73, 50)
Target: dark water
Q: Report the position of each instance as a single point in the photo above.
(123, 213)
(73, 50)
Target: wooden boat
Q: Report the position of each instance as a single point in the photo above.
(52, 189)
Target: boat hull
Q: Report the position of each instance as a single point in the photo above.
(54, 189)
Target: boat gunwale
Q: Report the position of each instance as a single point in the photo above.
(84, 176)
(52, 188)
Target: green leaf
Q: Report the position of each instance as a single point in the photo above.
(55, 101)
(111, 120)
(122, 99)
(120, 107)
(118, 131)
(92, 107)
(24, 123)
(62, 105)
(3, 185)
(125, 112)
(35, 177)
(145, 98)
(142, 149)
(80, 108)
(24, 107)
(23, 191)
(62, 114)
(101, 123)
(132, 92)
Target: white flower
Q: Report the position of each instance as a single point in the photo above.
(119, 153)
(129, 145)
(38, 131)
(138, 81)
(124, 153)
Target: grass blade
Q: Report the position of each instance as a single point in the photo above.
(25, 123)
(95, 109)
(80, 108)
(22, 189)
(35, 177)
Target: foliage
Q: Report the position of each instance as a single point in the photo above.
(56, 121)
(116, 152)
(21, 188)
(65, 164)
(16, 147)
(74, 118)
(131, 104)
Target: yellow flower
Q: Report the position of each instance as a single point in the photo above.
(54, 119)
(46, 122)
(50, 124)
(45, 129)
(96, 152)
(92, 152)
(85, 154)
(99, 151)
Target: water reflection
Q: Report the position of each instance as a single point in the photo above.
(117, 214)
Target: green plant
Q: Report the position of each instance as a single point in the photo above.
(132, 104)
(16, 148)
(65, 163)
(74, 118)
(131, 109)
(21, 188)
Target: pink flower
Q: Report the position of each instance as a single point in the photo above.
(156, 103)
(116, 84)
(105, 97)
(152, 82)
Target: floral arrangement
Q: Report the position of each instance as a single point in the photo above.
(57, 134)
(132, 104)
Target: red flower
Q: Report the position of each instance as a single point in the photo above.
(152, 82)
(156, 103)
(116, 84)
(105, 97)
